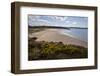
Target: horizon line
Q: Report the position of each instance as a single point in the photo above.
(58, 27)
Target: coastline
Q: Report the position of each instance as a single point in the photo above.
(55, 36)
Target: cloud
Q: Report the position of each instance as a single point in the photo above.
(67, 21)
(37, 21)
(74, 23)
(33, 17)
(63, 21)
(60, 18)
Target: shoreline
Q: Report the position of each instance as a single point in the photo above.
(55, 36)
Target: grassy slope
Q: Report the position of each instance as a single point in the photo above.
(41, 50)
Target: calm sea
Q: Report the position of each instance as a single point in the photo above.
(81, 34)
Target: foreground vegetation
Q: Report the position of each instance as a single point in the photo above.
(42, 50)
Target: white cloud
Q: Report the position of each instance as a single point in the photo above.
(33, 17)
(59, 18)
(67, 22)
(36, 21)
(57, 21)
(74, 23)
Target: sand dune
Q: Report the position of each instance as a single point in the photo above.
(54, 35)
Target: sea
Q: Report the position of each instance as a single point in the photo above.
(79, 33)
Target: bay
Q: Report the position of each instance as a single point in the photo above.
(81, 34)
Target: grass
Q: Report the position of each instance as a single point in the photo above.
(42, 50)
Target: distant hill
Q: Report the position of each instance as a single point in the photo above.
(44, 26)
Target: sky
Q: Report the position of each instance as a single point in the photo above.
(61, 21)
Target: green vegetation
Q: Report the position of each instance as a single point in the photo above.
(42, 50)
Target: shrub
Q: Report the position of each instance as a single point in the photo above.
(53, 50)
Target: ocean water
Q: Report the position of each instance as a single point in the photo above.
(81, 34)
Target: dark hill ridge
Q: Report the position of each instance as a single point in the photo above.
(58, 27)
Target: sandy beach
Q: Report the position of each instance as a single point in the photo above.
(55, 36)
